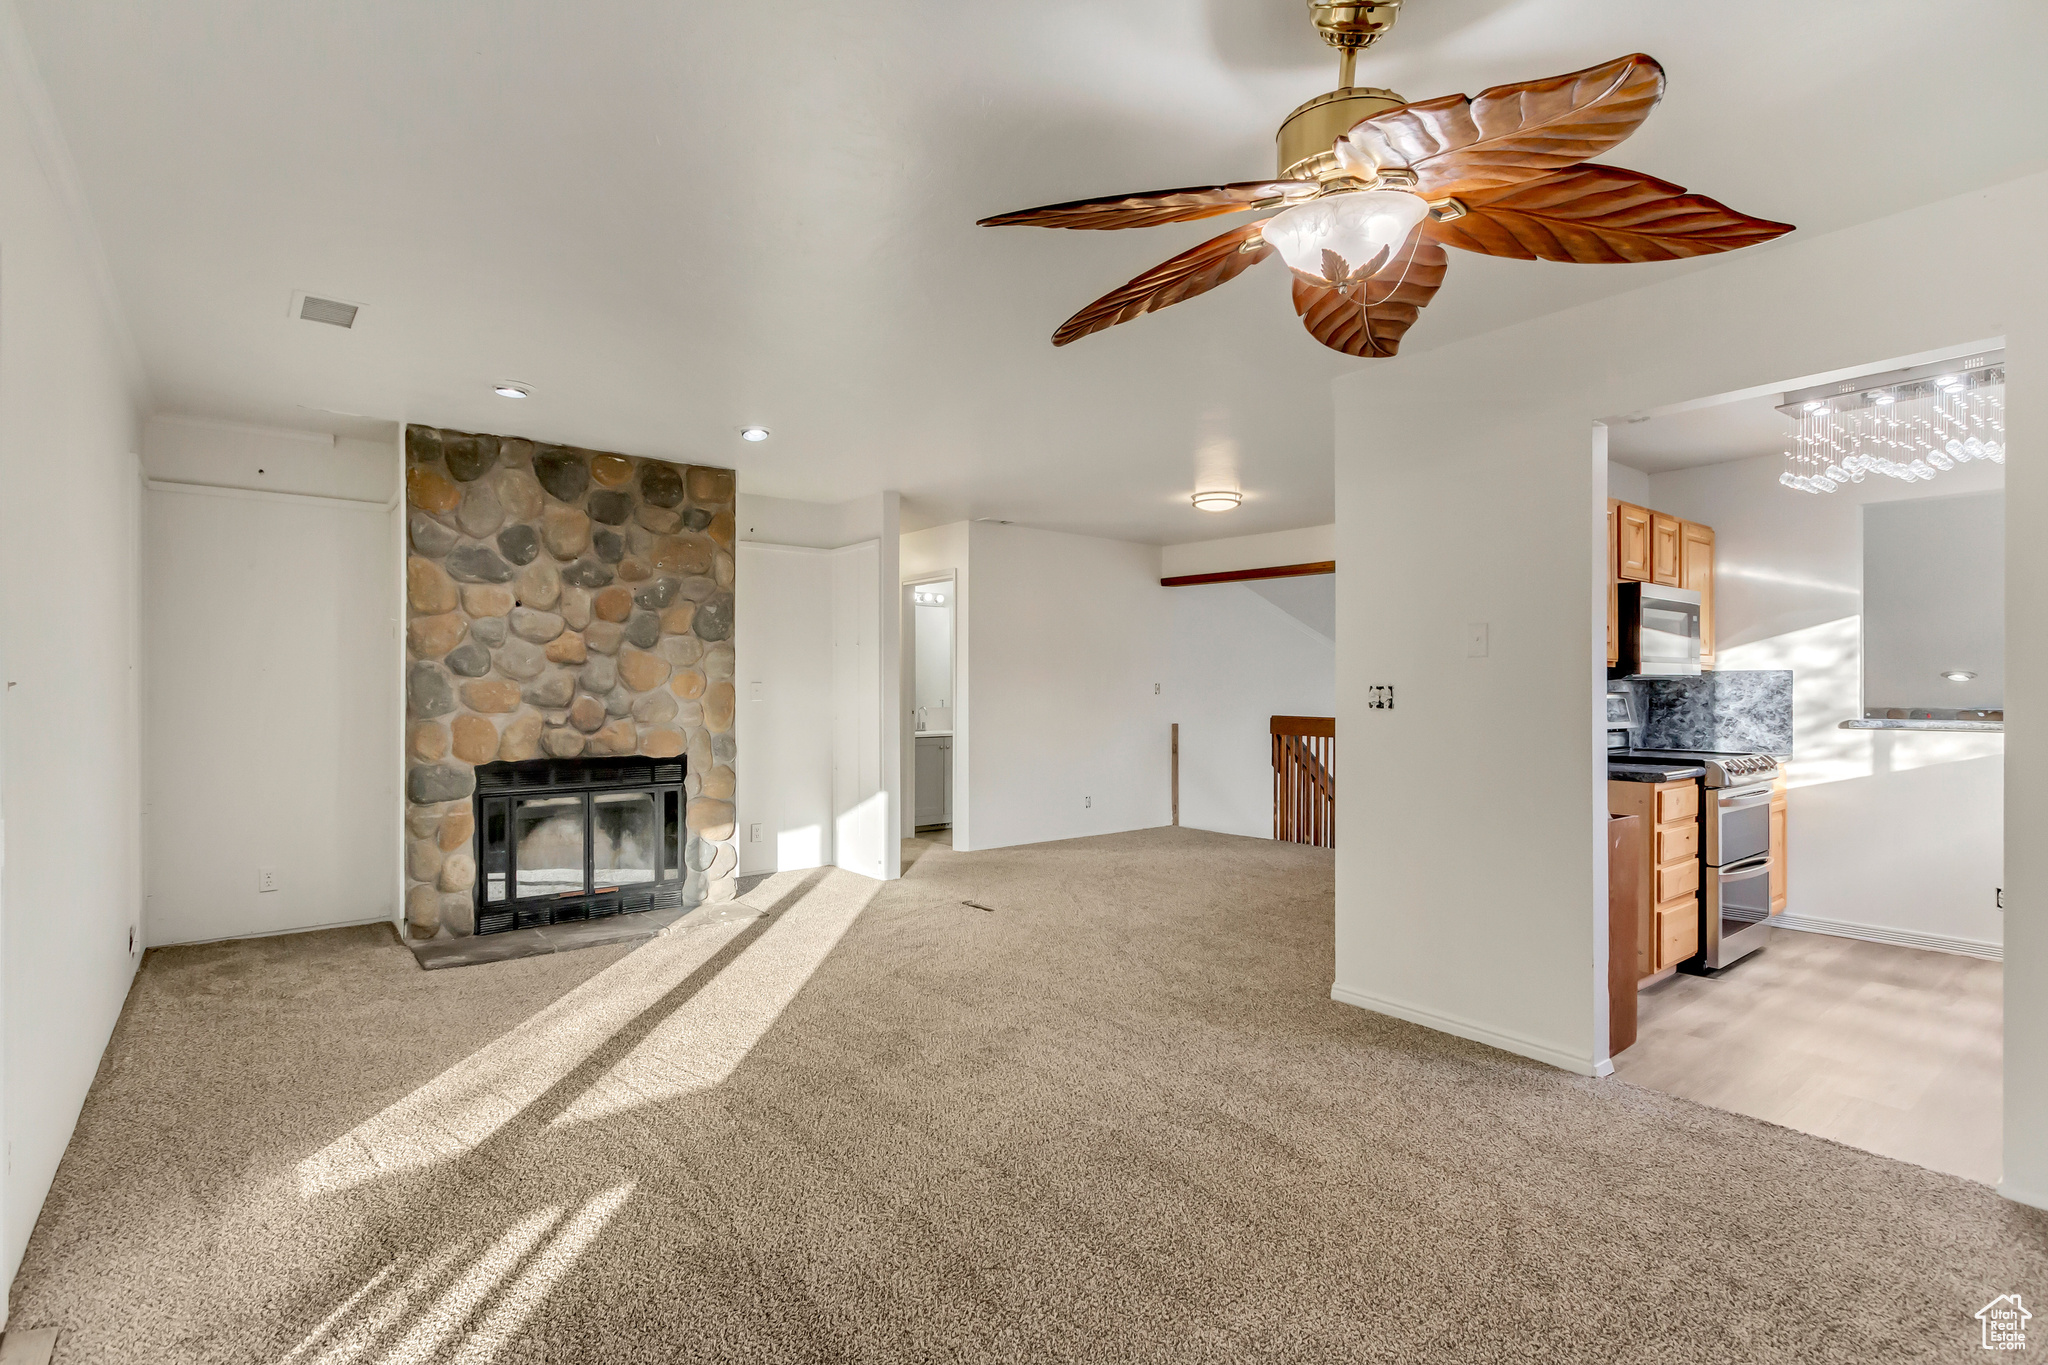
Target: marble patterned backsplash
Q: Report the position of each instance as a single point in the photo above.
(1740, 711)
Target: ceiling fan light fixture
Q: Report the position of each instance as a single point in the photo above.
(1348, 236)
(1218, 500)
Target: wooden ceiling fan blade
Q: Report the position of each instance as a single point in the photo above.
(1186, 275)
(1158, 206)
(1513, 133)
(1370, 321)
(1599, 215)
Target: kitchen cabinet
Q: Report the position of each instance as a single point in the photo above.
(1696, 571)
(1632, 554)
(934, 780)
(1652, 547)
(1613, 585)
(1666, 550)
(1664, 884)
(1778, 830)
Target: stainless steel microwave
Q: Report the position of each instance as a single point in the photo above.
(1660, 631)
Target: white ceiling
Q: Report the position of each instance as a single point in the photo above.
(1739, 430)
(673, 219)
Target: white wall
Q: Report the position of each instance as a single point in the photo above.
(271, 713)
(1934, 602)
(1069, 635)
(1629, 485)
(1238, 661)
(1308, 545)
(70, 844)
(1880, 845)
(1488, 928)
(783, 601)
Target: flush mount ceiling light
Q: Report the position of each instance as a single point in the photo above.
(753, 433)
(1218, 500)
(512, 391)
(1957, 674)
(1372, 189)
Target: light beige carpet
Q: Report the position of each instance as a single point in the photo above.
(1113, 1116)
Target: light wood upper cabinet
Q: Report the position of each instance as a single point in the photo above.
(1696, 571)
(1666, 550)
(1613, 586)
(1632, 552)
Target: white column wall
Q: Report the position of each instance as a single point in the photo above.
(1470, 487)
(783, 602)
(70, 747)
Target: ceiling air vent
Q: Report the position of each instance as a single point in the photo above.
(334, 312)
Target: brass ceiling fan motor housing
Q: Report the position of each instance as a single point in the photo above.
(1310, 131)
(1354, 25)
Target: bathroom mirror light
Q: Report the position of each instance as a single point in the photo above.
(1957, 674)
(1218, 500)
(753, 433)
(512, 391)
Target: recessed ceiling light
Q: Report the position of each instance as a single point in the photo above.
(753, 433)
(512, 391)
(1218, 500)
(1957, 674)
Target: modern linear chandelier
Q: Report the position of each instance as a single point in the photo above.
(1908, 424)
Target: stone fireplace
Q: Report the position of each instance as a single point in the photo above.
(569, 682)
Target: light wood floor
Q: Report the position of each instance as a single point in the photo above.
(1893, 1050)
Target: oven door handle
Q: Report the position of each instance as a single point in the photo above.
(1744, 802)
(1738, 872)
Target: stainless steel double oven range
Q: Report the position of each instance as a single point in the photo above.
(1735, 840)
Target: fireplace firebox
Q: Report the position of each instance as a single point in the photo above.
(576, 839)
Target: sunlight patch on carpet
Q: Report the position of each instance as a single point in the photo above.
(470, 1101)
(705, 1039)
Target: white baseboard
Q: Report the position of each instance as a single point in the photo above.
(2031, 1198)
(1904, 938)
(1465, 1028)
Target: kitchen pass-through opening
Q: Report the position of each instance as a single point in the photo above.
(1805, 707)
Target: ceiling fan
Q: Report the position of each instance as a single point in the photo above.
(1372, 189)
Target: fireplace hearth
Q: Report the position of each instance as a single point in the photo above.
(576, 839)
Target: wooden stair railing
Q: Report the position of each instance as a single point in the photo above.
(1304, 780)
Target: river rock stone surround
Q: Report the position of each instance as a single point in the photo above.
(560, 602)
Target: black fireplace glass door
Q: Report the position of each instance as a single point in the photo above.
(622, 835)
(549, 833)
(496, 859)
(672, 835)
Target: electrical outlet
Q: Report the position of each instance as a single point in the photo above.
(2001, 898)
(1475, 640)
(1087, 802)
(1155, 689)
(754, 834)
(266, 879)
(1380, 697)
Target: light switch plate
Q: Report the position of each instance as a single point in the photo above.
(1475, 640)
(753, 691)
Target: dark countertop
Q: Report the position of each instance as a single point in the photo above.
(1641, 770)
